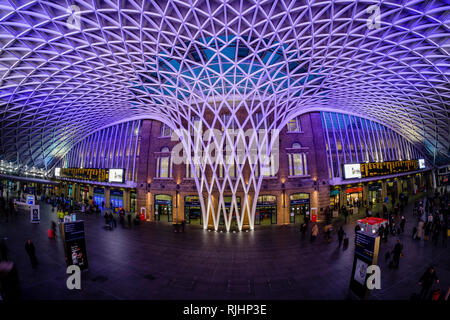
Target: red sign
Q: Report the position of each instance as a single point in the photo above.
(354, 190)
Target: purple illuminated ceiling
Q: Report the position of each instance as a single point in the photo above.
(60, 80)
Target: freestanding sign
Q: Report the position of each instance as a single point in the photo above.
(30, 200)
(74, 244)
(35, 215)
(366, 254)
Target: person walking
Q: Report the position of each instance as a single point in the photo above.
(435, 233)
(314, 232)
(340, 234)
(31, 251)
(303, 229)
(54, 227)
(397, 254)
(426, 281)
(427, 230)
(3, 251)
(420, 229)
(402, 224)
(129, 219)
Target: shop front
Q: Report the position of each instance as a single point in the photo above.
(334, 199)
(392, 190)
(375, 193)
(354, 196)
(70, 191)
(116, 199)
(266, 210)
(163, 208)
(299, 206)
(84, 194)
(99, 197)
(192, 210)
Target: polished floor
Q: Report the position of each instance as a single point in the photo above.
(150, 261)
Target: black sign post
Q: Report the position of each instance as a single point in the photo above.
(74, 244)
(366, 254)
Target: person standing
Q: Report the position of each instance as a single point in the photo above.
(396, 254)
(426, 281)
(314, 232)
(31, 251)
(340, 234)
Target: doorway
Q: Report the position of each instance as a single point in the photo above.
(299, 206)
(266, 210)
(163, 208)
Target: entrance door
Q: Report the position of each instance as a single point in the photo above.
(192, 210)
(299, 205)
(116, 197)
(266, 210)
(163, 208)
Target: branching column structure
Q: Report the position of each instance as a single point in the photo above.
(231, 159)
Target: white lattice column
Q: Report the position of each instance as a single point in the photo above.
(229, 161)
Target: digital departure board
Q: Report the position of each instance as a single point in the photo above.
(100, 175)
(375, 169)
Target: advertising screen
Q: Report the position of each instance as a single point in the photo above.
(74, 244)
(352, 171)
(421, 163)
(57, 172)
(116, 175)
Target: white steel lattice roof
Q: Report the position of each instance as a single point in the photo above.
(60, 80)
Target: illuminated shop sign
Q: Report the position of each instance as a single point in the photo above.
(376, 169)
(91, 174)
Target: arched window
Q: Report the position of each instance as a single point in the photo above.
(296, 145)
(165, 149)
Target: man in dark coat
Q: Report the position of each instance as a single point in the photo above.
(426, 281)
(303, 229)
(402, 224)
(340, 234)
(396, 253)
(31, 251)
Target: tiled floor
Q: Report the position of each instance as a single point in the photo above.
(151, 262)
